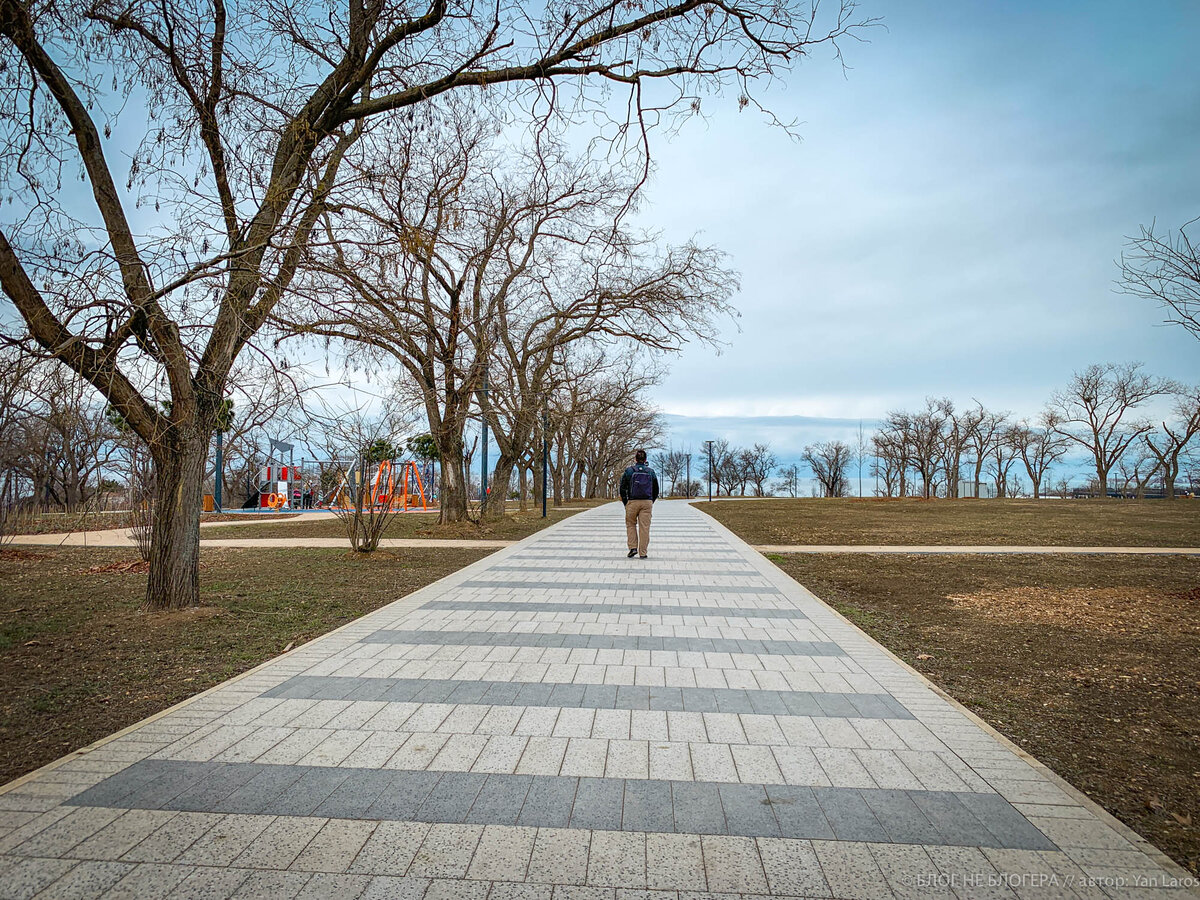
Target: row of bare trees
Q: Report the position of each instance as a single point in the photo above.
(256, 136)
(1098, 416)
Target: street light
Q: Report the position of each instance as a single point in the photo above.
(709, 443)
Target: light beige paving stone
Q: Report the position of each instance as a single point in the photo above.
(325, 885)
(280, 843)
(390, 849)
(910, 872)
(617, 859)
(209, 884)
(573, 892)
(123, 834)
(513, 891)
(851, 871)
(732, 865)
(674, 862)
(585, 757)
(503, 853)
(29, 876)
(628, 759)
(791, 867)
(670, 762)
(542, 756)
(149, 881)
(713, 762)
(172, 838)
(88, 879)
(268, 883)
(560, 856)
(459, 753)
(224, 840)
(334, 847)
(447, 851)
(756, 764)
(57, 839)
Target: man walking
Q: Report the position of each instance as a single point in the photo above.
(639, 490)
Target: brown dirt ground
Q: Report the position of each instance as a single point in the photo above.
(1089, 663)
(1061, 523)
(512, 527)
(78, 660)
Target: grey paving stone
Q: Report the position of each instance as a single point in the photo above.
(500, 799)
(451, 798)
(748, 811)
(401, 799)
(1011, 829)
(849, 815)
(598, 804)
(308, 792)
(549, 801)
(622, 587)
(648, 806)
(353, 797)
(901, 818)
(625, 609)
(261, 790)
(798, 813)
(697, 808)
(958, 825)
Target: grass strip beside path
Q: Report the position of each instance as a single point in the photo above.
(1089, 663)
(79, 661)
(512, 527)
(1059, 523)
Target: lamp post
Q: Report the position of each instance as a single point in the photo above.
(709, 443)
(483, 460)
(545, 457)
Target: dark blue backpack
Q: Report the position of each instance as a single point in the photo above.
(641, 484)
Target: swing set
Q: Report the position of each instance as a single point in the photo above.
(391, 489)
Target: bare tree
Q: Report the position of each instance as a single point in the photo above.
(1095, 411)
(1168, 446)
(789, 479)
(1165, 268)
(987, 431)
(761, 462)
(250, 112)
(830, 462)
(1039, 447)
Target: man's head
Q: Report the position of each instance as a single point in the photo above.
(640, 456)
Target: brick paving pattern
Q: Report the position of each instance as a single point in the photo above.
(558, 722)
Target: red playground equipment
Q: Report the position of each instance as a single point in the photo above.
(390, 489)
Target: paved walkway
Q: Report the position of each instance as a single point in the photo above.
(558, 722)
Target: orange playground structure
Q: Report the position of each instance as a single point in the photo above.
(392, 488)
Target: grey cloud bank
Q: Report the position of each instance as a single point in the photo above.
(950, 221)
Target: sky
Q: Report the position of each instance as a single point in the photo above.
(949, 222)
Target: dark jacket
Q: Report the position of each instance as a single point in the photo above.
(627, 481)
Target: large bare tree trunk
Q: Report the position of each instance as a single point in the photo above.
(174, 581)
(501, 479)
(454, 484)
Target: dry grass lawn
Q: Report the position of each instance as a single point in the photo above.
(1088, 662)
(78, 661)
(1060, 523)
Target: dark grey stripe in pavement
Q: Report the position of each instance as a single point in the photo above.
(553, 801)
(623, 609)
(605, 642)
(591, 696)
(643, 568)
(636, 587)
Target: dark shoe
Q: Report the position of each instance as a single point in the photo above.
(643, 556)
(632, 553)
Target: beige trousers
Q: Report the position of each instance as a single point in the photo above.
(637, 524)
